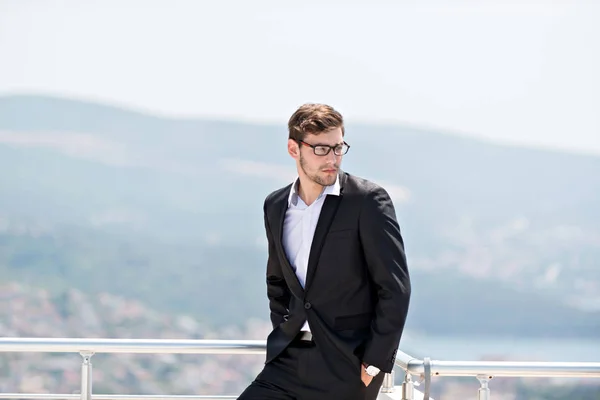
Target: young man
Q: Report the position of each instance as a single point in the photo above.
(337, 280)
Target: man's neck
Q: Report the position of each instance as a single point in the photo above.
(308, 190)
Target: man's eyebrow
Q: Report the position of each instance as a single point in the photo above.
(325, 144)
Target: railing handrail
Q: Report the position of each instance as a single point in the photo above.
(482, 370)
(155, 346)
(548, 369)
(410, 364)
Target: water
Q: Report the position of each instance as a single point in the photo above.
(498, 349)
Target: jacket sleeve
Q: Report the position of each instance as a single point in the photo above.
(277, 289)
(383, 248)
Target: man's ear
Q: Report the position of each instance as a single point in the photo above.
(293, 148)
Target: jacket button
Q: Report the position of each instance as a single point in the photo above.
(307, 305)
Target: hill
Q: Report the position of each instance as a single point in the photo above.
(170, 212)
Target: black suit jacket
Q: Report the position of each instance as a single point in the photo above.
(357, 288)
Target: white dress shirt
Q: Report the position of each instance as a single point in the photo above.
(299, 228)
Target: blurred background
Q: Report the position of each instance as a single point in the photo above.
(138, 140)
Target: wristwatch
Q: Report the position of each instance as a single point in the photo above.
(371, 370)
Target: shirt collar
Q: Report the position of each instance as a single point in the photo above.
(331, 189)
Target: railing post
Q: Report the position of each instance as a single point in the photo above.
(408, 388)
(484, 390)
(86, 375)
(388, 383)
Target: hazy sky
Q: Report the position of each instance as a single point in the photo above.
(515, 71)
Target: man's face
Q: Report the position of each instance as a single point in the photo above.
(321, 169)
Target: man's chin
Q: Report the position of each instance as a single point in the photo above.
(328, 180)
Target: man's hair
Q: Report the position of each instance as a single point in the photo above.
(314, 119)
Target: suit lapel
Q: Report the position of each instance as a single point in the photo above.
(279, 214)
(330, 207)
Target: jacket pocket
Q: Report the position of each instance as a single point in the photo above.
(357, 321)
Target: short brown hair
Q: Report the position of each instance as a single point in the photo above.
(314, 119)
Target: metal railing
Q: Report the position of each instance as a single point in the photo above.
(88, 347)
(425, 369)
(484, 371)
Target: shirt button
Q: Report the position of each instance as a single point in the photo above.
(307, 305)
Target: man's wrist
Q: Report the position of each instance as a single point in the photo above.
(371, 370)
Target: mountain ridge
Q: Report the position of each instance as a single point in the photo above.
(526, 219)
(36, 100)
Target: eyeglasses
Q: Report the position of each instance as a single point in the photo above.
(323, 149)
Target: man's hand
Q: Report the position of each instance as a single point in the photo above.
(366, 378)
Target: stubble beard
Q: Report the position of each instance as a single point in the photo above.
(320, 180)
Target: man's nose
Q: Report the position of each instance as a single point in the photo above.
(331, 158)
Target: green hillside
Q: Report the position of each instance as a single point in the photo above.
(170, 212)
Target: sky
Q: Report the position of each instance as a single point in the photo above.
(517, 72)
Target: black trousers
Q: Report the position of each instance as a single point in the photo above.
(300, 373)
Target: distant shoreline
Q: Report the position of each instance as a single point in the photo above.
(502, 348)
